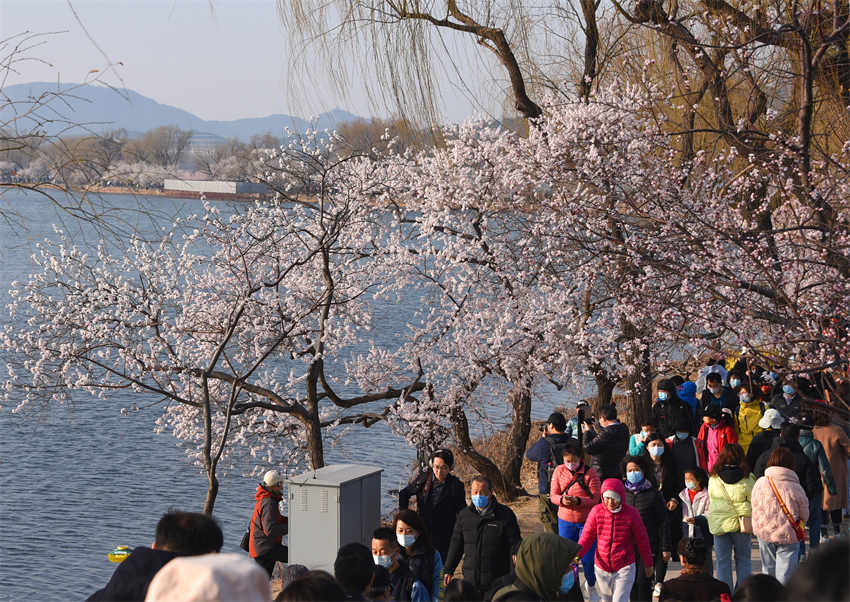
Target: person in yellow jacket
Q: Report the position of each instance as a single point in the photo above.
(750, 411)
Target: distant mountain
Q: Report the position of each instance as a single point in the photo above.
(101, 109)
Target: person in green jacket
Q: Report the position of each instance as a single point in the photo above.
(730, 489)
(815, 452)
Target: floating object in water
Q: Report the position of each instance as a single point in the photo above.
(119, 554)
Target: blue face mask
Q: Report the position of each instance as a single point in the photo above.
(681, 435)
(788, 389)
(406, 540)
(384, 561)
(690, 485)
(734, 382)
(634, 476)
(663, 395)
(656, 451)
(480, 501)
(567, 581)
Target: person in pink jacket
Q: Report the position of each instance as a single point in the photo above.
(778, 541)
(575, 490)
(616, 529)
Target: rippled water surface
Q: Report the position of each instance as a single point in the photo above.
(79, 479)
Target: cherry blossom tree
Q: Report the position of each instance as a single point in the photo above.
(231, 320)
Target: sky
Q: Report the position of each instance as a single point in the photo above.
(219, 59)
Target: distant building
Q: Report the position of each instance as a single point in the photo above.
(213, 189)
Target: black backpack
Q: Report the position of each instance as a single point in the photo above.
(556, 457)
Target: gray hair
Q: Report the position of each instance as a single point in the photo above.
(480, 478)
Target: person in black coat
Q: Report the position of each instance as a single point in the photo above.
(177, 534)
(807, 471)
(693, 584)
(669, 410)
(484, 535)
(642, 492)
(771, 422)
(717, 395)
(548, 451)
(607, 447)
(439, 497)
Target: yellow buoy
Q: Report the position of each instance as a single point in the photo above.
(119, 554)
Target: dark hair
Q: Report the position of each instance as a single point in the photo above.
(677, 380)
(353, 567)
(700, 475)
(380, 584)
(480, 478)
(759, 588)
(188, 533)
(314, 586)
(609, 412)
(572, 447)
(651, 421)
(409, 517)
(385, 534)
(823, 574)
(558, 422)
(642, 461)
(713, 377)
(693, 550)
(732, 454)
(790, 432)
(781, 456)
(461, 590)
(446, 456)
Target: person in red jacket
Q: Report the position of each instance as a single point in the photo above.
(617, 530)
(267, 526)
(716, 432)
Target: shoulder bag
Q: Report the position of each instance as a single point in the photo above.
(798, 525)
(246, 537)
(745, 523)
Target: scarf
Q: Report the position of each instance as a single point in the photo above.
(642, 485)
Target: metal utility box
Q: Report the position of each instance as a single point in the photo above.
(330, 507)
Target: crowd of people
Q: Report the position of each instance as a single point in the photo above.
(704, 477)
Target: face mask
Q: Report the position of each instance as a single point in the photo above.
(573, 466)
(788, 390)
(662, 395)
(480, 501)
(616, 510)
(634, 476)
(567, 581)
(656, 451)
(384, 561)
(715, 390)
(734, 382)
(744, 397)
(406, 540)
(681, 435)
(690, 485)
(715, 425)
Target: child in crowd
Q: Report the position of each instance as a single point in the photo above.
(694, 503)
(638, 441)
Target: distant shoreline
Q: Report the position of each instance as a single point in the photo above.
(126, 190)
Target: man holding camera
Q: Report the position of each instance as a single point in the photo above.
(607, 444)
(548, 453)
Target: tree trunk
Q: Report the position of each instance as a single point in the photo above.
(520, 398)
(639, 391)
(212, 492)
(604, 389)
(312, 424)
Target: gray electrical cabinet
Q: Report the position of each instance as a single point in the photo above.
(330, 507)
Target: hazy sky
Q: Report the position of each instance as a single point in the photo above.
(219, 59)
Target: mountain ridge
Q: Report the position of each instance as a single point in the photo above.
(101, 108)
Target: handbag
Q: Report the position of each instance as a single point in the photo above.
(798, 525)
(745, 523)
(245, 544)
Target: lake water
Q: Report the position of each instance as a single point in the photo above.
(77, 480)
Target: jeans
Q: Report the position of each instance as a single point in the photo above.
(723, 545)
(779, 559)
(615, 587)
(814, 524)
(572, 531)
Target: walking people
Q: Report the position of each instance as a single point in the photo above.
(617, 530)
(750, 411)
(423, 561)
(780, 509)
(638, 441)
(695, 506)
(836, 444)
(484, 535)
(544, 570)
(643, 494)
(694, 584)
(770, 424)
(575, 491)
(730, 486)
(815, 452)
(607, 444)
(715, 433)
(716, 395)
(386, 553)
(686, 450)
(267, 526)
(548, 452)
(668, 410)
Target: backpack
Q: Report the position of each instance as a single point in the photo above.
(556, 457)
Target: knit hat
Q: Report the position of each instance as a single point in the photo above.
(210, 578)
(665, 384)
(772, 419)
